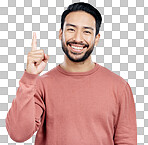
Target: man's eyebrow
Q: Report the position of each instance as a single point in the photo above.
(68, 24)
(88, 28)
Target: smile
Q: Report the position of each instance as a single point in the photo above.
(77, 49)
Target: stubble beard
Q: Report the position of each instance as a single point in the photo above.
(81, 59)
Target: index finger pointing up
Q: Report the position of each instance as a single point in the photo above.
(34, 42)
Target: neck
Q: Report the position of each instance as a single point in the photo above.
(84, 66)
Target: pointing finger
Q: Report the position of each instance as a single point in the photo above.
(34, 42)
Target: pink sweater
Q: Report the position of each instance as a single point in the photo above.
(73, 108)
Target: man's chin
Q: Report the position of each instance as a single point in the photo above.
(79, 57)
(75, 56)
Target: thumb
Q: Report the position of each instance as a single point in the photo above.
(46, 58)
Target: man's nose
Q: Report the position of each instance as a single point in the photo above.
(78, 36)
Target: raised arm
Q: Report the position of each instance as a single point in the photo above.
(25, 114)
(24, 117)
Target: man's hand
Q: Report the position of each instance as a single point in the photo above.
(36, 59)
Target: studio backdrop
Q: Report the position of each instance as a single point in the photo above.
(122, 48)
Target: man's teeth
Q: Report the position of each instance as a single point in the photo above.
(77, 47)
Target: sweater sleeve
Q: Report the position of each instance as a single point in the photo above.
(126, 127)
(24, 117)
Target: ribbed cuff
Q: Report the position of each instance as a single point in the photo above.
(28, 78)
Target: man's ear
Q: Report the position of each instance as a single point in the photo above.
(97, 39)
(60, 34)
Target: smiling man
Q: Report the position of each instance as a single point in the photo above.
(78, 37)
(79, 102)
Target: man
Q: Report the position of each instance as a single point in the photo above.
(79, 102)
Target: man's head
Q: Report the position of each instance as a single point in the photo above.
(80, 25)
(86, 7)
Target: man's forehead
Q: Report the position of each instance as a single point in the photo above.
(80, 18)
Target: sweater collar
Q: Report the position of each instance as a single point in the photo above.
(60, 69)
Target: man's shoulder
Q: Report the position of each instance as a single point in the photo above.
(46, 79)
(111, 77)
(51, 73)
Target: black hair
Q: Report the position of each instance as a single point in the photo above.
(81, 6)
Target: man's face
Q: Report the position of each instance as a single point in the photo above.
(78, 33)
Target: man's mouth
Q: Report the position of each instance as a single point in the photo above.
(77, 47)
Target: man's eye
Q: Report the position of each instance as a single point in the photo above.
(70, 29)
(87, 32)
